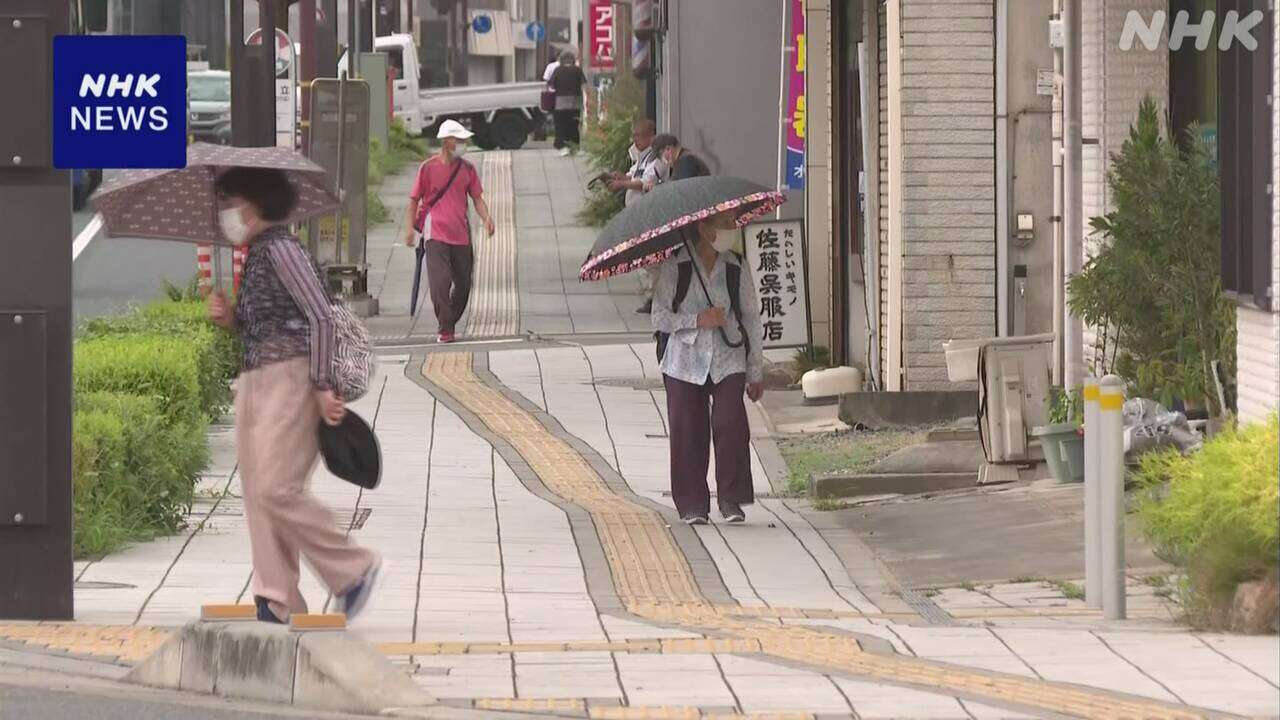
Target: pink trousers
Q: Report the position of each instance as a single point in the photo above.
(277, 446)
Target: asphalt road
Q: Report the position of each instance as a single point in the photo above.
(113, 273)
(46, 696)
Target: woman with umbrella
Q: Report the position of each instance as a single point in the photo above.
(285, 320)
(709, 341)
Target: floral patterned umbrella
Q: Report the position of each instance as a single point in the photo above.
(646, 232)
(182, 204)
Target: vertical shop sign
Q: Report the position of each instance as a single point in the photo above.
(601, 35)
(794, 116)
(776, 256)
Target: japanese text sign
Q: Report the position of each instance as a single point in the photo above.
(601, 35)
(119, 101)
(776, 256)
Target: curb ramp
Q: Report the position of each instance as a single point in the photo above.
(317, 670)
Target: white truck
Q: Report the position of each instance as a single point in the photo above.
(501, 116)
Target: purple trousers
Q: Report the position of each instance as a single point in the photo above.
(697, 415)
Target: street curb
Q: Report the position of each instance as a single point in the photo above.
(328, 671)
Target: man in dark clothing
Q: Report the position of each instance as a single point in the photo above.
(681, 163)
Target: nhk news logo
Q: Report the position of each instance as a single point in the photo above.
(1233, 27)
(119, 101)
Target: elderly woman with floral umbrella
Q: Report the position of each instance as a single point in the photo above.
(709, 342)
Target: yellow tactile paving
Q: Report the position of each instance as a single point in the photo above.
(124, 643)
(653, 578)
(573, 705)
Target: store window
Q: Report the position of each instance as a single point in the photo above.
(1245, 159)
(1193, 79)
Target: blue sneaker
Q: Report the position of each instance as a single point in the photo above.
(353, 601)
(264, 611)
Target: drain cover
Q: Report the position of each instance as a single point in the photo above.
(928, 609)
(362, 515)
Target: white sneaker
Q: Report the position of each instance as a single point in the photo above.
(565, 152)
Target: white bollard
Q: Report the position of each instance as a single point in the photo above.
(1092, 499)
(1111, 492)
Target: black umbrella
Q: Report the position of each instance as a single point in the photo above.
(419, 253)
(646, 231)
(351, 451)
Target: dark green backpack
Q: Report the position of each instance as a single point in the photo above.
(684, 276)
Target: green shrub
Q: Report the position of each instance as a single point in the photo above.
(218, 350)
(97, 454)
(164, 367)
(162, 460)
(1153, 290)
(606, 144)
(1214, 512)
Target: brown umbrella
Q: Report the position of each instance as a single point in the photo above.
(182, 204)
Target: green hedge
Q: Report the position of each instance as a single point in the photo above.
(146, 385)
(217, 350)
(1213, 513)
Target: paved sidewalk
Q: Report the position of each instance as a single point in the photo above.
(536, 562)
(526, 276)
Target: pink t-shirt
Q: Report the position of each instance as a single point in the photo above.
(449, 214)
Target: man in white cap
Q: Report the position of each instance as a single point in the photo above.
(437, 212)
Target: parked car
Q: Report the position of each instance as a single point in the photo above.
(209, 106)
(83, 183)
(501, 115)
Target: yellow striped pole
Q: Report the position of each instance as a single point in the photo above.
(1092, 499)
(1111, 477)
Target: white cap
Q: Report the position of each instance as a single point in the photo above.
(453, 129)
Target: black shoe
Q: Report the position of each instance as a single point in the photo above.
(695, 519)
(732, 512)
(646, 308)
(264, 611)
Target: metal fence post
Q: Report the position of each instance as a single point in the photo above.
(1111, 477)
(1092, 499)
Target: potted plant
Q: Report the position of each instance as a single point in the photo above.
(1062, 440)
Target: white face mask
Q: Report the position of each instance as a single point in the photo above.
(726, 239)
(233, 226)
(459, 150)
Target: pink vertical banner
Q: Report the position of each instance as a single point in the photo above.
(794, 116)
(600, 34)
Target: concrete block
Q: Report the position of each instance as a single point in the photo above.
(328, 671)
(256, 662)
(829, 486)
(335, 672)
(163, 668)
(199, 671)
(879, 410)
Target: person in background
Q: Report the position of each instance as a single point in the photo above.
(642, 156)
(680, 163)
(550, 70)
(285, 320)
(444, 225)
(705, 377)
(568, 82)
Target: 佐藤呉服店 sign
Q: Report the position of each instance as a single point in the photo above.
(775, 254)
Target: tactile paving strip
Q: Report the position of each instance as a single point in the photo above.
(654, 581)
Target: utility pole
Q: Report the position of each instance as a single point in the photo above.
(36, 570)
(544, 45)
(253, 80)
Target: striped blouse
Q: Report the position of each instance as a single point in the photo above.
(283, 311)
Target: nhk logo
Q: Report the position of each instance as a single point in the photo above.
(101, 117)
(1234, 28)
(119, 101)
